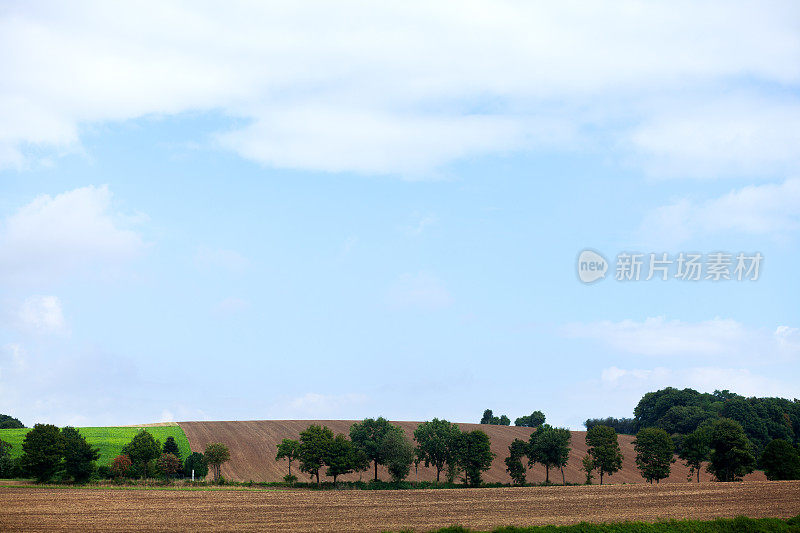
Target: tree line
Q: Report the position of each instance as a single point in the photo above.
(376, 441)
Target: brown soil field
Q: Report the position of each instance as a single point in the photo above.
(48, 509)
(253, 448)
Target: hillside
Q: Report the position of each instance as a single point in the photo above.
(109, 440)
(253, 448)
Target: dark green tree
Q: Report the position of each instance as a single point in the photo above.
(489, 418)
(399, 454)
(197, 462)
(533, 420)
(79, 456)
(216, 455)
(587, 465)
(42, 451)
(731, 452)
(369, 435)
(604, 449)
(474, 455)
(169, 465)
(654, 453)
(142, 449)
(781, 460)
(436, 442)
(170, 446)
(6, 463)
(343, 457)
(288, 449)
(694, 450)
(9, 422)
(514, 465)
(315, 442)
(549, 446)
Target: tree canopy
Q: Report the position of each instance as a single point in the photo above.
(436, 441)
(654, 453)
(604, 450)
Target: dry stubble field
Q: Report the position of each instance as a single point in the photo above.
(33, 508)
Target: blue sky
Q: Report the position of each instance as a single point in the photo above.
(350, 210)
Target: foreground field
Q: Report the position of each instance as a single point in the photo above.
(33, 508)
(109, 440)
(253, 446)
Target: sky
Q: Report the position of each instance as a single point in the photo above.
(335, 210)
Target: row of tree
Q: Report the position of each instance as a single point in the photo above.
(533, 420)
(374, 442)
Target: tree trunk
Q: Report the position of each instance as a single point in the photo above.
(438, 471)
(376, 470)
(601, 476)
(698, 475)
(563, 482)
(547, 473)
(317, 473)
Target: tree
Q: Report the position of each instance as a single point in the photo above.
(436, 443)
(9, 422)
(42, 451)
(474, 455)
(343, 457)
(315, 442)
(216, 455)
(731, 452)
(195, 462)
(369, 436)
(781, 460)
(399, 454)
(514, 464)
(489, 418)
(533, 420)
(550, 447)
(587, 465)
(694, 450)
(170, 446)
(142, 449)
(6, 464)
(654, 453)
(604, 449)
(290, 450)
(79, 456)
(121, 465)
(169, 464)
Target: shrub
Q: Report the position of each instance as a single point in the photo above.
(121, 466)
(168, 465)
(197, 462)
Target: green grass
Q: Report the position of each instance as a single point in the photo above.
(109, 440)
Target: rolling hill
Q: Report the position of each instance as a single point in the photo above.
(253, 448)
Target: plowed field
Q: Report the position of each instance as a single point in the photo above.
(41, 509)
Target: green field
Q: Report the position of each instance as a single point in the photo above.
(109, 440)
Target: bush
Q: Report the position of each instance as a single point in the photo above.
(121, 466)
(104, 472)
(197, 462)
(168, 465)
(290, 478)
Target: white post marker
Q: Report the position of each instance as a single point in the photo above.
(192, 475)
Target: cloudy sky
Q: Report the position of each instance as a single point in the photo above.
(350, 209)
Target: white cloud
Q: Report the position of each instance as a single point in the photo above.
(419, 224)
(230, 260)
(770, 209)
(399, 87)
(659, 337)
(232, 305)
(705, 379)
(315, 405)
(744, 135)
(55, 234)
(42, 314)
(420, 290)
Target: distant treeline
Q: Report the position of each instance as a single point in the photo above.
(625, 426)
(680, 412)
